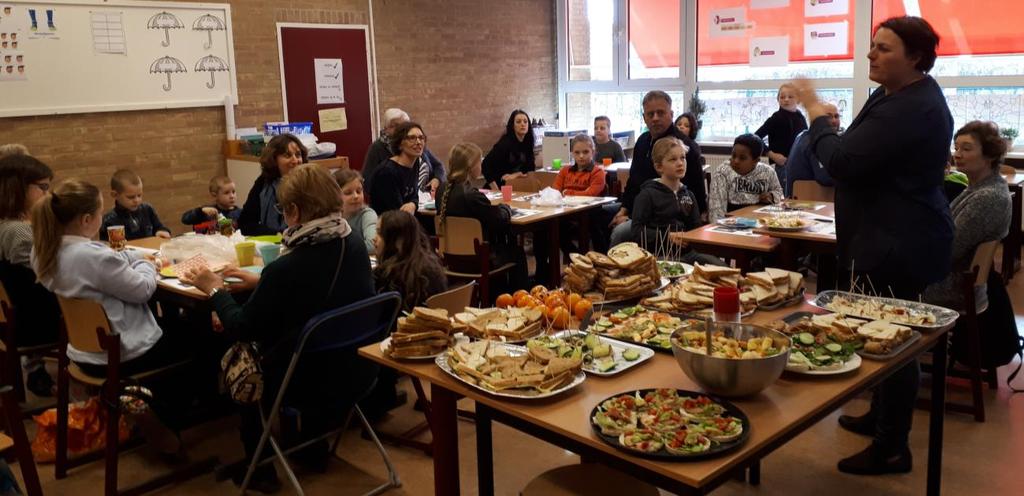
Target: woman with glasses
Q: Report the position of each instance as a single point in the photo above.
(397, 184)
(23, 181)
(259, 215)
(512, 156)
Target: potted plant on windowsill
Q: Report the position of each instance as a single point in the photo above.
(1010, 135)
(697, 107)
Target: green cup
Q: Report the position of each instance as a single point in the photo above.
(556, 164)
(269, 253)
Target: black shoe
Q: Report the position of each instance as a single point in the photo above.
(40, 383)
(877, 460)
(863, 425)
(264, 479)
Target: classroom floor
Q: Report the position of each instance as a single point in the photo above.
(978, 458)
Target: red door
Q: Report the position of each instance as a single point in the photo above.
(300, 45)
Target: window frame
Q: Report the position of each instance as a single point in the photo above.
(687, 79)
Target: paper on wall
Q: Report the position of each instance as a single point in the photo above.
(821, 8)
(728, 22)
(768, 4)
(333, 119)
(108, 32)
(328, 80)
(827, 38)
(769, 51)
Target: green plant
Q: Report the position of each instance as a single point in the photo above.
(696, 105)
(1009, 133)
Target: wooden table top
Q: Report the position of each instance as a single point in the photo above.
(828, 210)
(789, 406)
(167, 284)
(706, 236)
(520, 201)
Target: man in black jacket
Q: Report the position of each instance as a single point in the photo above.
(658, 117)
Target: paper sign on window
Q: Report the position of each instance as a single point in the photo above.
(728, 22)
(769, 51)
(768, 4)
(828, 38)
(821, 8)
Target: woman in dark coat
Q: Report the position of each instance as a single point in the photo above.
(893, 223)
(512, 156)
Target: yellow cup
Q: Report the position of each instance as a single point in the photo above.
(246, 252)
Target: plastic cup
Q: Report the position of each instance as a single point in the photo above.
(269, 253)
(246, 253)
(556, 164)
(606, 161)
(506, 193)
(115, 234)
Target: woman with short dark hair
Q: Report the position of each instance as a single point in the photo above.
(259, 215)
(893, 224)
(397, 183)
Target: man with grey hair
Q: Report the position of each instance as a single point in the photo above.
(380, 151)
(802, 165)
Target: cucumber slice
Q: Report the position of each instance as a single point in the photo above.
(605, 365)
(602, 350)
(591, 341)
(805, 338)
(631, 354)
(834, 347)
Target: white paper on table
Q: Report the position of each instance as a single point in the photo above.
(738, 232)
(328, 81)
(822, 8)
(827, 38)
(769, 51)
(768, 4)
(524, 212)
(728, 22)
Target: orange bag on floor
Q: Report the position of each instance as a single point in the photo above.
(87, 431)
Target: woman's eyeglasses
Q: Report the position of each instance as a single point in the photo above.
(416, 138)
(44, 187)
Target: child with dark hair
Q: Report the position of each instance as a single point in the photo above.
(138, 218)
(743, 180)
(204, 219)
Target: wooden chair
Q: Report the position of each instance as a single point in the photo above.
(1007, 170)
(454, 301)
(466, 255)
(587, 478)
(19, 441)
(10, 354)
(87, 328)
(525, 184)
(812, 191)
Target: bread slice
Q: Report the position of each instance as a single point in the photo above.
(601, 260)
(714, 271)
(778, 275)
(437, 317)
(582, 262)
(399, 338)
(762, 279)
(628, 255)
(417, 351)
(796, 283)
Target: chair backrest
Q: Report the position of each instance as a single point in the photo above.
(454, 300)
(1007, 170)
(812, 191)
(458, 235)
(525, 184)
(5, 304)
(351, 326)
(85, 321)
(983, 256)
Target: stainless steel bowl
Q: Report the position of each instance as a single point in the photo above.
(732, 376)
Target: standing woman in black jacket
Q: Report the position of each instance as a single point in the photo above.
(457, 198)
(512, 156)
(259, 215)
(893, 223)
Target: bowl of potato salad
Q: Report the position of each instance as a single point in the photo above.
(743, 359)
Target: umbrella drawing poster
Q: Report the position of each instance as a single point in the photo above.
(327, 77)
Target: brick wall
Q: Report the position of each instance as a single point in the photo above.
(450, 67)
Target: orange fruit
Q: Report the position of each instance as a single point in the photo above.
(505, 300)
(560, 318)
(572, 299)
(524, 301)
(538, 291)
(553, 300)
(581, 308)
(519, 294)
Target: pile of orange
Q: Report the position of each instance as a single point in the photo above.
(561, 309)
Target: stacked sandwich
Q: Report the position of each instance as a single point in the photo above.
(489, 365)
(774, 286)
(511, 324)
(423, 333)
(696, 293)
(626, 272)
(881, 337)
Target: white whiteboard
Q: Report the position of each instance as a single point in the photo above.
(94, 56)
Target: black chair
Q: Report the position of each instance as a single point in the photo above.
(340, 330)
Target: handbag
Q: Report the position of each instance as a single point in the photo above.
(242, 365)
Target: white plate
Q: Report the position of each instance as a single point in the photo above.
(664, 284)
(850, 365)
(386, 345)
(686, 267)
(943, 316)
(618, 347)
(527, 394)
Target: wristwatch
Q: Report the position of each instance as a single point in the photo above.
(214, 291)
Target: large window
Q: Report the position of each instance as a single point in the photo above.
(738, 52)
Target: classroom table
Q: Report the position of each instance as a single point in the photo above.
(549, 216)
(781, 412)
(168, 289)
(739, 247)
(794, 243)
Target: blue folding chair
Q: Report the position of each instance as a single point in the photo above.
(343, 329)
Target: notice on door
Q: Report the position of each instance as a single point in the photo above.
(329, 86)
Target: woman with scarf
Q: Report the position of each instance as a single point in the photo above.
(321, 268)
